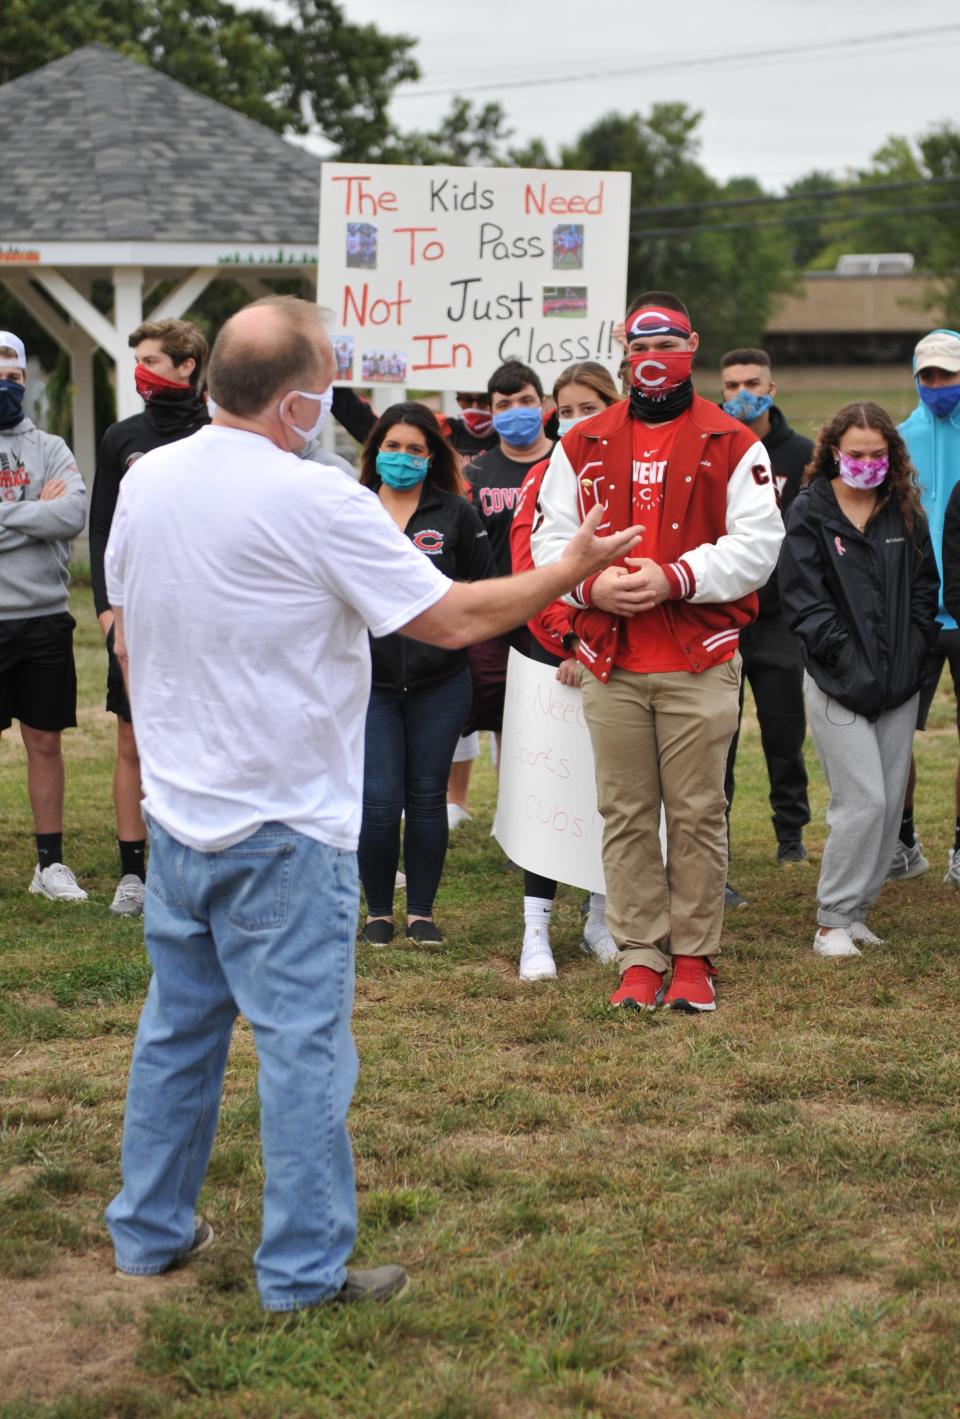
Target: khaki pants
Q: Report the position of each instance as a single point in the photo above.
(663, 737)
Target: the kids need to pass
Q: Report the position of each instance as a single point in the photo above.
(444, 273)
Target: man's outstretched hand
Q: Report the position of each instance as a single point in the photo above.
(587, 553)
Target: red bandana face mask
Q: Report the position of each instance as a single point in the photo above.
(656, 373)
(149, 385)
(478, 421)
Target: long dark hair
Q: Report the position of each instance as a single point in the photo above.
(444, 470)
(901, 479)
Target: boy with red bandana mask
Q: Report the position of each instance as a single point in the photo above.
(659, 635)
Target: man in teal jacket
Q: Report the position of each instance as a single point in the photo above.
(932, 436)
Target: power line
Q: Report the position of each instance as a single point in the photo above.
(866, 189)
(853, 42)
(704, 227)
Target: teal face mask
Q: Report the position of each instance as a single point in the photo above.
(565, 425)
(401, 470)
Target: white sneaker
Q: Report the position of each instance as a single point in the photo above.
(953, 869)
(57, 883)
(457, 816)
(834, 941)
(128, 898)
(598, 942)
(860, 931)
(536, 958)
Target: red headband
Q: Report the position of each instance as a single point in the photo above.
(648, 320)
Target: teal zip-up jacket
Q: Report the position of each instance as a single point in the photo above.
(934, 448)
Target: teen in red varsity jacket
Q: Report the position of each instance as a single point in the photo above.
(718, 535)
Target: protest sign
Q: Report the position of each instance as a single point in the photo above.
(437, 275)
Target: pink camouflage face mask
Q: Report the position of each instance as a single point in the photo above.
(862, 472)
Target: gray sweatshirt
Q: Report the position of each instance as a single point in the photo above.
(35, 535)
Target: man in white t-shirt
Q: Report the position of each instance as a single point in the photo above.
(244, 581)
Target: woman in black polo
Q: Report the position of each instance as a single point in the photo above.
(420, 694)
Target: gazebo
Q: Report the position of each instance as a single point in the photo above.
(125, 175)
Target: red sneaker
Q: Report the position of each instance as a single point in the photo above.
(639, 989)
(691, 989)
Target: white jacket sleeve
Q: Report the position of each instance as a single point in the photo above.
(743, 558)
(559, 515)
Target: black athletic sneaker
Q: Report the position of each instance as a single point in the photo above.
(377, 933)
(791, 852)
(732, 898)
(427, 933)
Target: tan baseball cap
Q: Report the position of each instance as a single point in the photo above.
(938, 350)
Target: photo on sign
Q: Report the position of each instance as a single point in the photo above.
(568, 248)
(362, 245)
(565, 301)
(390, 366)
(343, 354)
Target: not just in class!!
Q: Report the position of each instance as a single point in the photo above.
(529, 347)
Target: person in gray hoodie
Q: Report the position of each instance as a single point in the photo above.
(42, 505)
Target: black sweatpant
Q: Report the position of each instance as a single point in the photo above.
(772, 664)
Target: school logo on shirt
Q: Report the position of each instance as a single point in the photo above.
(648, 480)
(13, 479)
(429, 540)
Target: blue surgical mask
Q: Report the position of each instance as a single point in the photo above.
(565, 425)
(747, 406)
(520, 426)
(942, 400)
(401, 470)
(11, 403)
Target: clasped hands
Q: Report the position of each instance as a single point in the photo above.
(625, 593)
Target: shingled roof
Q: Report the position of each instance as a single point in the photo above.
(113, 151)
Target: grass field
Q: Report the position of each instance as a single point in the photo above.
(753, 1214)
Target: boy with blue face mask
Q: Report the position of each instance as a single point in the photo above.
(771, 653)
(494, 478)
(932, 436)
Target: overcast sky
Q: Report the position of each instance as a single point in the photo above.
(775, 117)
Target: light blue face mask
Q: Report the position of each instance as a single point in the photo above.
(401, 470)
(565, 425)
(520, 426)
(747, 406)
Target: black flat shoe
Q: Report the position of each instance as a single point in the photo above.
(377, 933)
(427, 933)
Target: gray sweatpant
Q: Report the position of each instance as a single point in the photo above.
(866, 766)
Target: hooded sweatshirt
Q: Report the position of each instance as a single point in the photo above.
(34, 535)
(934, 448)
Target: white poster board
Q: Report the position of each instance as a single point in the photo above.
(437, 275)
(547, 819)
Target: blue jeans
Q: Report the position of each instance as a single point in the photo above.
(267, 928)
(410, 739)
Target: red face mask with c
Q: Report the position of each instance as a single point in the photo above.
(658, 372)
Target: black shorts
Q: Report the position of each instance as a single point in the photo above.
(117, 702)
(38, 677)
(947, 649)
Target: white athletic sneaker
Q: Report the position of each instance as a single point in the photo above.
(536, 958)
(834, 941)
(57, 883)
(860, 931)
(128, 898)
(598, 942)
(953, 869)
(457, 816)
(907, 862)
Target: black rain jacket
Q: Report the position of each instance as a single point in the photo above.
(863, 603)
(447, 528)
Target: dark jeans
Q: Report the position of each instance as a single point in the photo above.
(410, 739)
(772, 664)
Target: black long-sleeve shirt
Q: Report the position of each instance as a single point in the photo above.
(163, 421)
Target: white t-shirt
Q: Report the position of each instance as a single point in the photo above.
(248, 579)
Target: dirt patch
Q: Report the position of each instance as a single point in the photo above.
(76, 1329)
(97, 1058)
(799, 1304)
